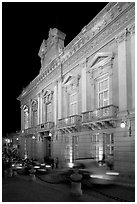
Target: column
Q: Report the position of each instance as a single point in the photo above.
(30, 112)
(22, 118)
(40, 109)
(59, 99)
(84, 87)
(132, 30)
(122, 74)
(55, 104)
(38, 113)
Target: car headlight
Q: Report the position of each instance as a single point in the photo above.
(96, 176)
(48, 166)
(36, 167)
(112, 173)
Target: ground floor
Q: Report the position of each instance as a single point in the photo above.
(68, 146)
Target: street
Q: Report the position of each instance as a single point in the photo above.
(22, 189)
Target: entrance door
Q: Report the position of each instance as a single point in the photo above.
(47, 146)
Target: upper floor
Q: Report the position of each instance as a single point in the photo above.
(89, 80)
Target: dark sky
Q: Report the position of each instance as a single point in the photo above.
(24, 26)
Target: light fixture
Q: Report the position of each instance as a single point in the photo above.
(122, 125)
(126, 123)
(50, 134)
(33, 137)
(17, 139)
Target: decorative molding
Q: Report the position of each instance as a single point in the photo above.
(122, 36)
(48, 96)
(34, 105)
(131, 29)
(25, 108)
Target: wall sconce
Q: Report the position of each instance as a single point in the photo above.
(50, 134)
(33, 137)
(126, 123)
(17, 139)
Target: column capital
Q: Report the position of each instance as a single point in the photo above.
(122, 36)
(131, 28)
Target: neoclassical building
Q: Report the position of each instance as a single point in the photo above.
(82, 103)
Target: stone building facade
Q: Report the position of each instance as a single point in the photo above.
(82, 103)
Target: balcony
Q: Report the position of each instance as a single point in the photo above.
(70, 123)
(39, 128)
(29, 131)
(100, 117)
(45, 126)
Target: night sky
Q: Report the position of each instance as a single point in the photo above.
(24, 26)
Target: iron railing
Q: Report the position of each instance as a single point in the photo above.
(106, 112)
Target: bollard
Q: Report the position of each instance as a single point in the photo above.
(5, 174)
(10, 172)
(15, 173)
(32, 174)
(76, 183)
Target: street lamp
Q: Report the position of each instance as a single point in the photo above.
(126, 123)
(50, 134)
(33, 137)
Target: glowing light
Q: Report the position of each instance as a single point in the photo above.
(66, 120)
(112, 173)
(33, 137)
(70, 164)
(122, 125)
(97, 176)
(48, 166)
(50, 134)
(36, 167)
(17, 138)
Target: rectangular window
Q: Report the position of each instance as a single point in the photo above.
(103, 91)
(49, 112)
(73, 104)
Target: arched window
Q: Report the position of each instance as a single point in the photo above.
(34, 106)
(26, 116)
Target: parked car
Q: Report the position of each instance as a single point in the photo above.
(96, 173)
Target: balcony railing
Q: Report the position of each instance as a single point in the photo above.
(45, 126)
(106, 112)
(70, 121)
(29, 130)
(42, 127)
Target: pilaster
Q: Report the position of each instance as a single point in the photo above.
(38, 109)
(22, 118)
(122, 73)
(132, 31)
(84, 87)
(59, 99)
(55, 104)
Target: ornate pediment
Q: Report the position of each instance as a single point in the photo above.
(48, 95)
(34, 105)
(71, 82)
(100, 59)
(26, 108)
(101, 64)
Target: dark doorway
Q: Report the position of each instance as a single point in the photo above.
(47, 146)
